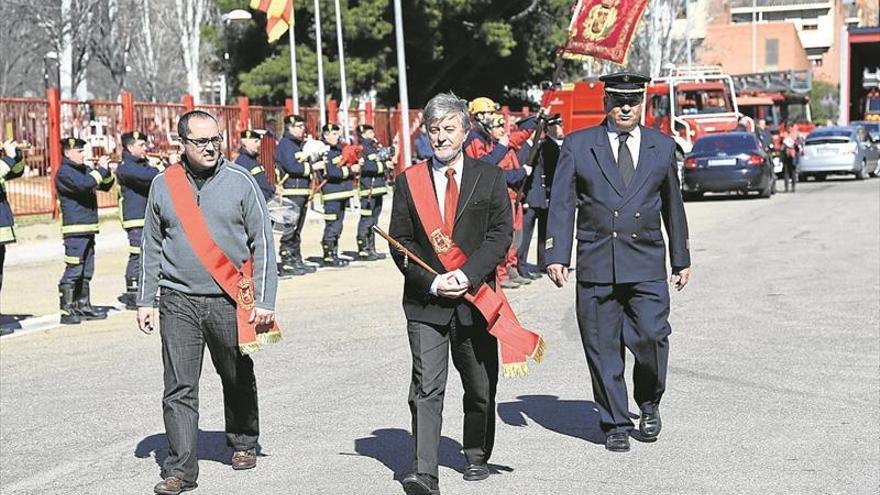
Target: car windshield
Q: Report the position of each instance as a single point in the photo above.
(702, 101)
(729, 144)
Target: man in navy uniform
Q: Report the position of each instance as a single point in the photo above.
(337, 190)
(537, 195)
(11, 167)
(294, 172)
(621, 178)
(372, 189)
(77, 185)
(248, 157)
(134, 174)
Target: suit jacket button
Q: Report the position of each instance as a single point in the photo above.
(635, 236)
(616, 213)
(614, 234)
(638, 214)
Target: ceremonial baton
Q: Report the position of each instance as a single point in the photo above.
(406, 252)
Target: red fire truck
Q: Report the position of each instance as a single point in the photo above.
(685, 103)
(781, 98)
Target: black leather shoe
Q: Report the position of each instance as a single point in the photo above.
(173, 486)
(650, 424)
(420, 484)
(476, 472)
(617, 442)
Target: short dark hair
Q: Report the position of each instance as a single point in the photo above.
(329, 127)
(183, 123)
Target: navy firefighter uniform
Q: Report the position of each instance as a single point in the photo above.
(11, 167)
(249, 162)
(611, 190)
(77, 185)
(335, 194)
(134, 175)
(372, 189)
(294, 174)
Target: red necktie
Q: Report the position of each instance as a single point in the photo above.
(451, 200)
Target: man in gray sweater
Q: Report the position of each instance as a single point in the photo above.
(194, 311)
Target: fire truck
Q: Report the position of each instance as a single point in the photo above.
(860, 75)
(781, 98)
(685, 103)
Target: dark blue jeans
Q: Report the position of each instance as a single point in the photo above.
(187, 324)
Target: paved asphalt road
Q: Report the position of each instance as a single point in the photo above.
(773, 380)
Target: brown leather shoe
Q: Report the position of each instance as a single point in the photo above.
(173, 485)
(244, 459)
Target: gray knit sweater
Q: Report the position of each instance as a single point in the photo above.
(235, 211)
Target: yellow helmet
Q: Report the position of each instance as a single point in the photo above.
(482, 105)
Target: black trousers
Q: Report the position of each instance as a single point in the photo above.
(79, 259)
(187, 324)
(371, 208)
(334, 215)
(291, 241)
(475, 356)
(530, 217)
(132, 269)
(613, 317)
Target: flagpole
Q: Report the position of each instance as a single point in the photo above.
(401, 82)
(293, 81)
(320, 54)
(343, 85)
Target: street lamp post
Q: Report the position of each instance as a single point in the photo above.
(237, 15)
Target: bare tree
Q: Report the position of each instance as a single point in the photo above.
(157, 72)
(113, 35)
(190, 16)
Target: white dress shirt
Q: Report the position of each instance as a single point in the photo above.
(633, 142)
(440, 181)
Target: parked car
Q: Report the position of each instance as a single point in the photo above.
(839, 150)
(732, 161)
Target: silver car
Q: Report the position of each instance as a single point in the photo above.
(839, 150)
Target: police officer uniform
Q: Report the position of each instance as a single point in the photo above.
(11, 167)
(372, 189)
(622, 293)
(134, 176)
(337, 190)
(77, 185)
(294, 174)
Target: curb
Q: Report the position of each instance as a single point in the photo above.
(44, 323)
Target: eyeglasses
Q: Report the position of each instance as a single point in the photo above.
(204, 142)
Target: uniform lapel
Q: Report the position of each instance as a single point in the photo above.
(469, 178)
(601, 149)
(647, 151)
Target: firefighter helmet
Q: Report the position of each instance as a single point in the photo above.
(482, 105)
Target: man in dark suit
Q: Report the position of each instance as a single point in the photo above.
(621, 179)
(472, 199)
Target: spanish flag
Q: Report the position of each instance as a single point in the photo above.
(279, 14)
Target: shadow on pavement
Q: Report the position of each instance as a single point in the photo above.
(575, 418)
(212, 447)
(12, 322)
(393, 448)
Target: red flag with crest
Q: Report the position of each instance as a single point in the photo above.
(603, 29)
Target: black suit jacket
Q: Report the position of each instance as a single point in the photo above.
(483, 230)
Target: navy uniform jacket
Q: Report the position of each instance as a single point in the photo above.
(618, 228)
(10, 168)
(372, 181)
(339, 177)
(250, 163)
(134, 176)
(537, 187)
(77, 185)
(292, 167)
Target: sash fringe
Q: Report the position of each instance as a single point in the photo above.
(512, 370)
(262, 339)
(538, 355)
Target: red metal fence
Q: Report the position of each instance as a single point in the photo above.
(42, 122)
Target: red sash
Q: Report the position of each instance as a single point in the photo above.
(237, 283)
(517, 343)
